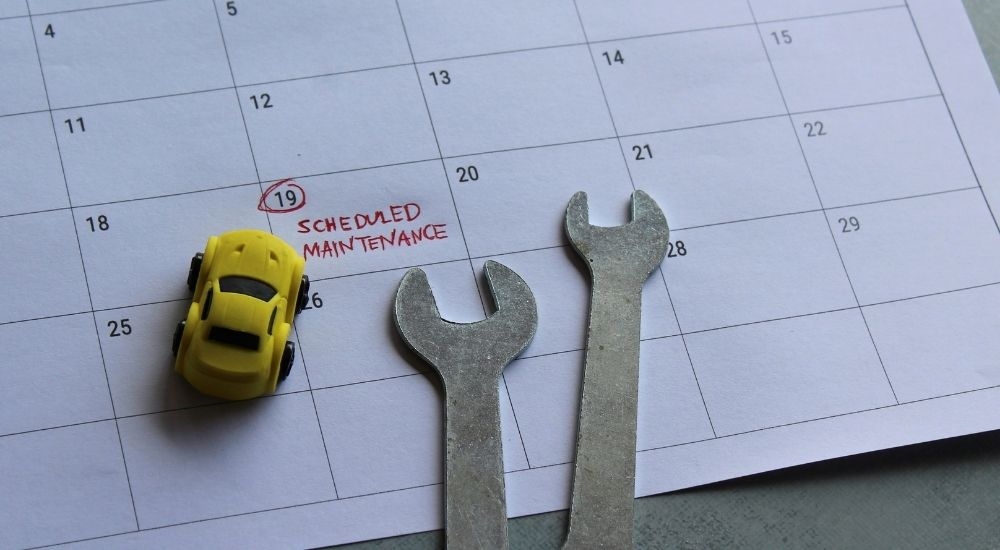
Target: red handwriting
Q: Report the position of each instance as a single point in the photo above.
(397, 238)
(395, 213)
(408, 231)
(281, 197)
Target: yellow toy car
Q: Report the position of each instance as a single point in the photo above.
(248, 286)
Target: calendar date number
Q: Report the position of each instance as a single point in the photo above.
(849, 224)
(119, 327)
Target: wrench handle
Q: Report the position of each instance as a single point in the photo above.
(476, 511)
(601, 515)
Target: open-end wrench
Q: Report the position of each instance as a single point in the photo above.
(469, 358)
(620, 259)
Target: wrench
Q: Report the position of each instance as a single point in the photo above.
(620, 259)
(469, 358)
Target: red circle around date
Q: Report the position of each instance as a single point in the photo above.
(281, 197)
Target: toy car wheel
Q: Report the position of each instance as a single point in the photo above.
(287, 358)
(303, 298)
(194, 270)
(178, 332)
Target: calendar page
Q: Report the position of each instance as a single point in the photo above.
(829, 170)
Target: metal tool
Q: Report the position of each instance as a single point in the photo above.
(469, 358)
(620, 259)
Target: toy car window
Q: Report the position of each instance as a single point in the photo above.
(234, 337)
(248, 286)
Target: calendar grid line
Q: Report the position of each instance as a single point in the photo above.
(83, 263)
(628, 171)
(267, 216)
(319, 424)
(239, 514)
(951, 115)
(659, 269)
(522, 148)
(239, 103)
(458, 216)
(59, 427)
(75, 10)
(819, 198)
(540, 467)
(514, 252)
(31, 112)
(828, 417)
(398, 65)
(453, 58)
(824, 15)
(524, 357)
(296, 392)
(495, 152)
(930, 294)
(518, 50)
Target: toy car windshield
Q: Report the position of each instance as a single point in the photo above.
(245, 285)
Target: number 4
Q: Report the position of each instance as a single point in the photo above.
(49, 32)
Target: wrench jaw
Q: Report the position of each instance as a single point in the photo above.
(577, 223)
(516, 318)
(414, 308)
(636, 248)
(489, 344)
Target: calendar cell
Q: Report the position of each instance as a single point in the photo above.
(489, 193)
(13, 9)
(545, 392)
(912, 247)
(897, 150)
(225, 459)
(723, 173)
(310, 38)
(878, 58)
(45, 261)
(671, 410)
(561, 286)
(136, 346)
(332, 345)
(37, 490)
(139, 363)
(688, 79)
(939, 345)
(22, 87)
(342, 122)
(768, 10)
(180, 51)
(389, 434)
(54, 385)
(30, 159)
(373, 220)
(154, 147)
(800, 369)
(138, 252)
(450, 28)
(618, 20)
(516, 100)
(770, 260)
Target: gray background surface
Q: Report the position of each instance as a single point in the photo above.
(944, 494)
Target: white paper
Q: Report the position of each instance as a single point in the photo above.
(829, 170)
